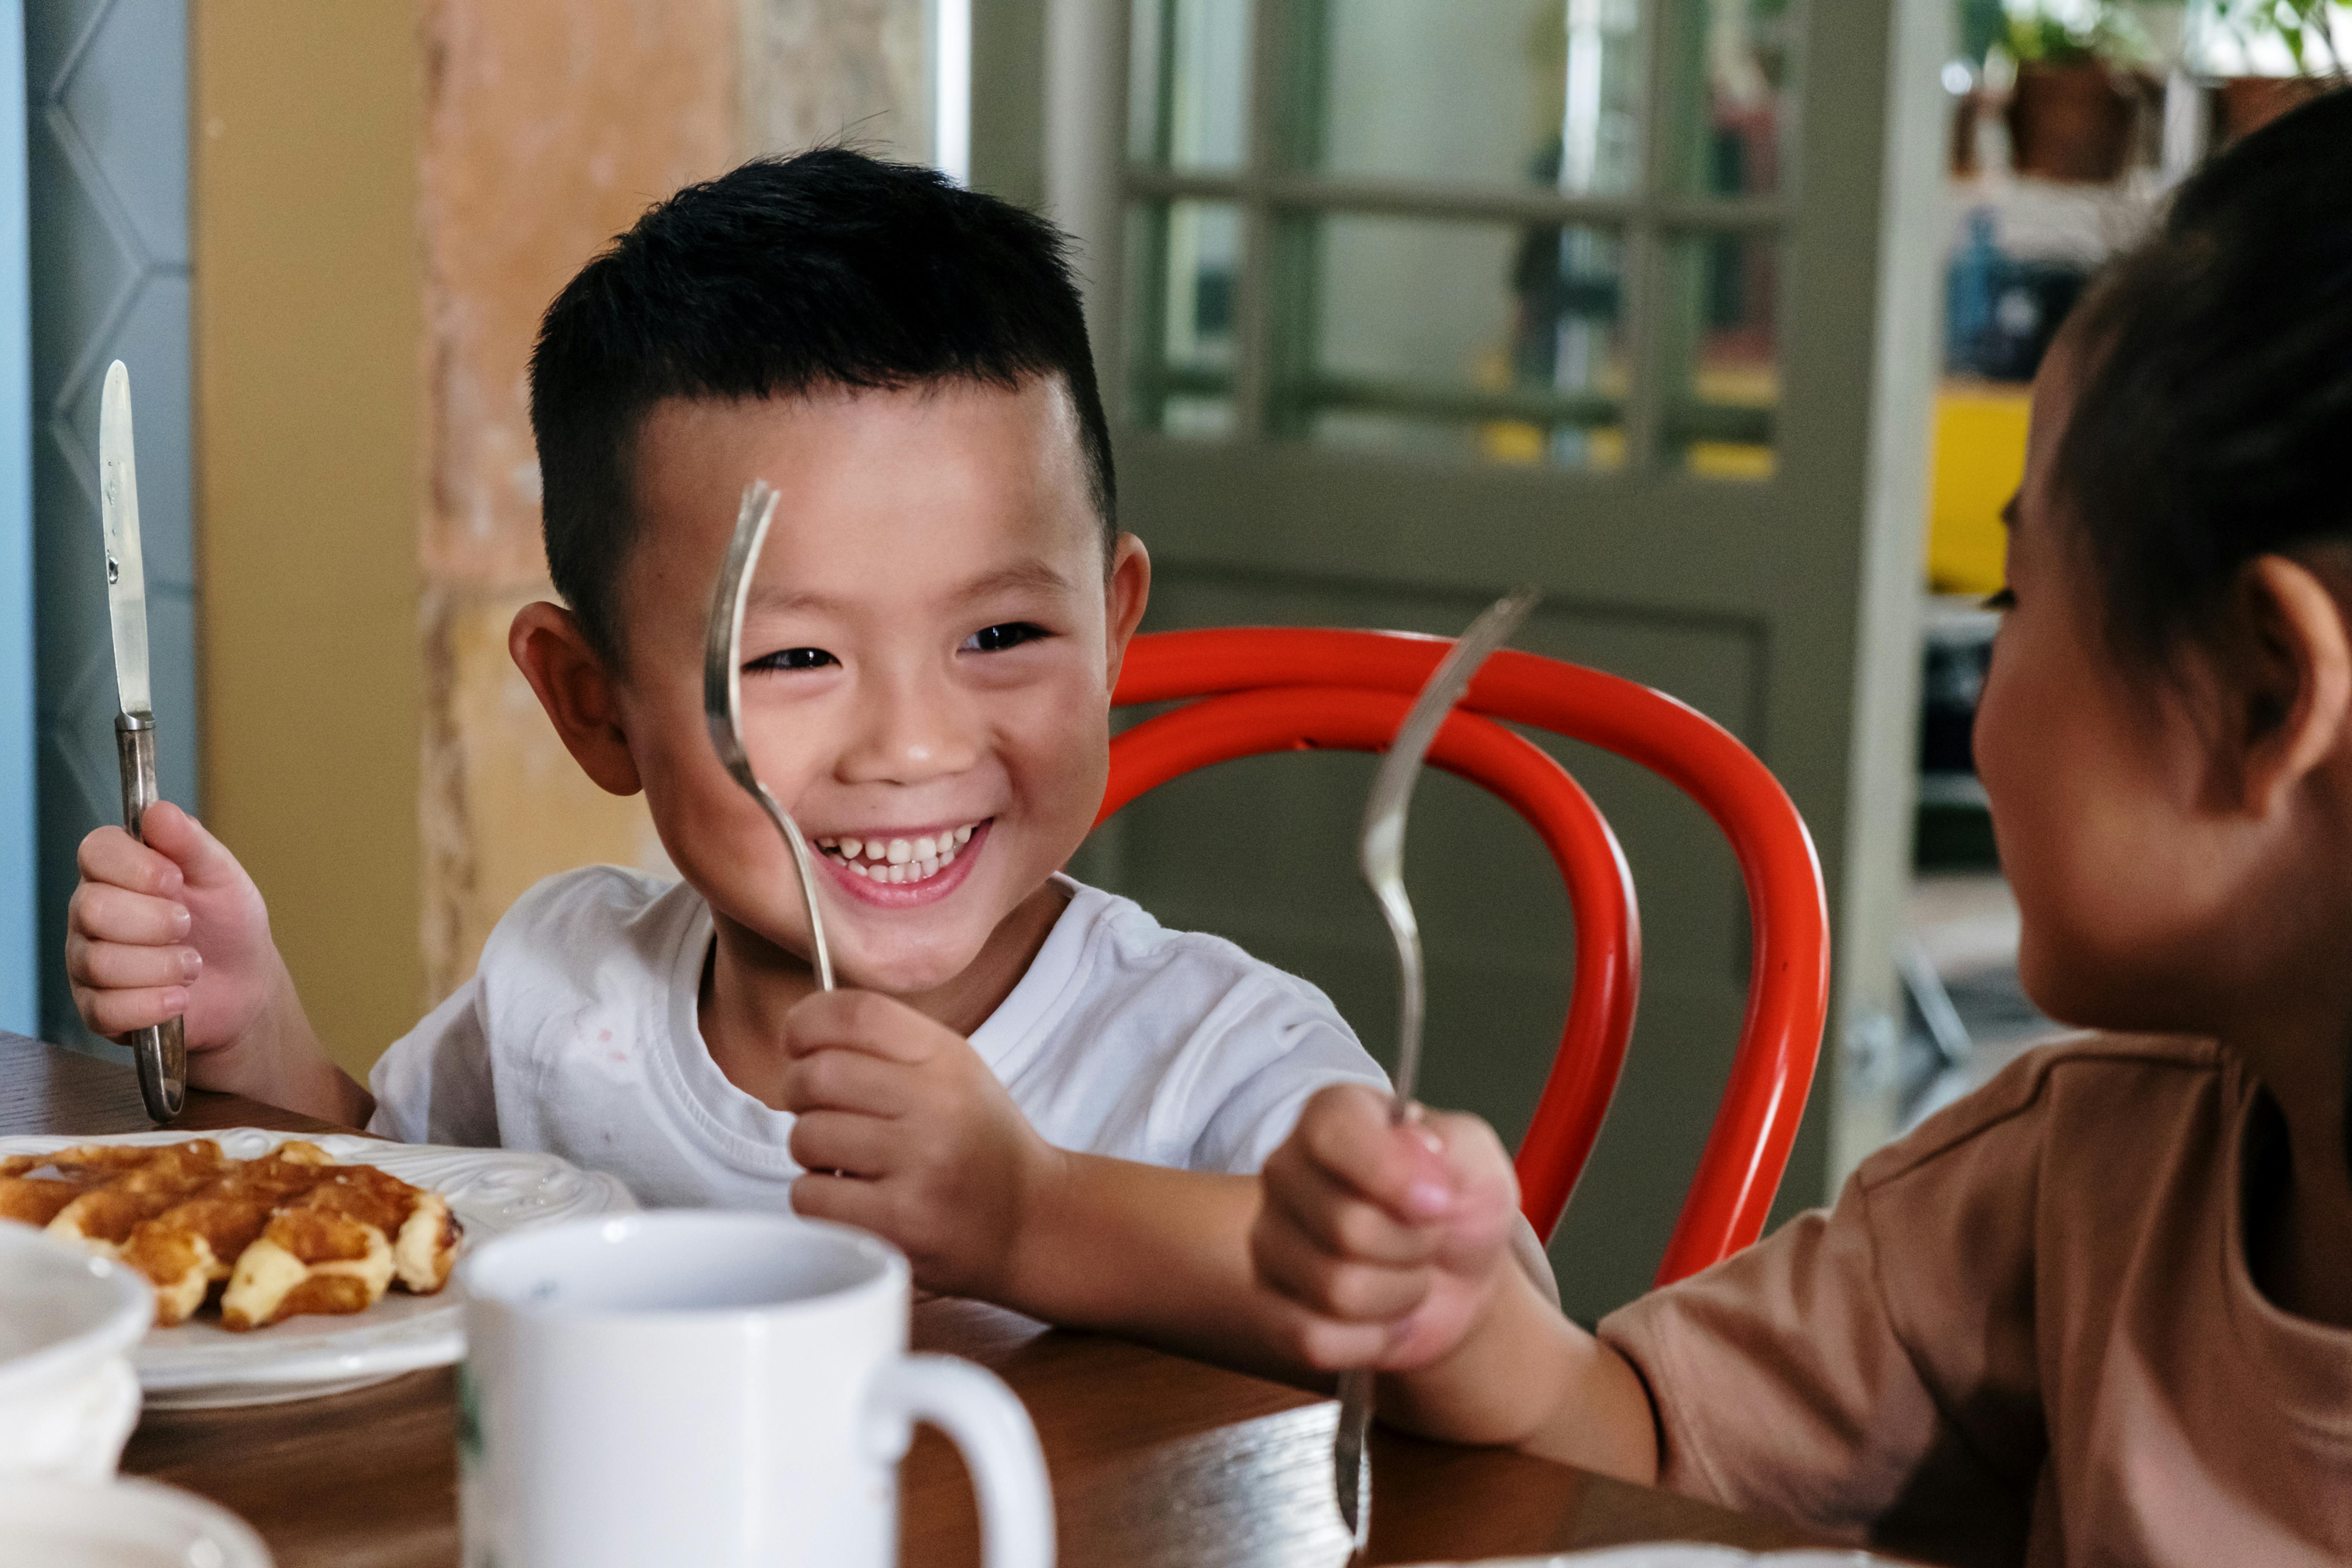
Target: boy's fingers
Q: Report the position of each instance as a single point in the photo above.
(1329, 1287)
(1346, 1130)
(1476, 1164)
(205, 859)
(841, 1143)
(110, 856)
(1335, 1218)
(860, 1021)
(112, 1013)
(850, 1200)
(842, 1077)
(113, 966)
(101, 912)
(1330, 1346)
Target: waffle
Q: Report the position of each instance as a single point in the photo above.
(287, 1234)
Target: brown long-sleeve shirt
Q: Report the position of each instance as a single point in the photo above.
(2025, 1334)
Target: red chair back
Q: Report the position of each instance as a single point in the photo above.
(1255, 690)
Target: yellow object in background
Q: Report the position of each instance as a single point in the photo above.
(1979, 459)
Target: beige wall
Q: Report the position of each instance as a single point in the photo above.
(303, 188)
(547, 129)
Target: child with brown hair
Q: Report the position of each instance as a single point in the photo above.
(2100, 1310)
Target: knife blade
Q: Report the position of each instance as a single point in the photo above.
(160, 1051)
(126, 566)
(1381, 857)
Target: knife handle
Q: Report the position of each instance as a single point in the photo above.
(160, 1050)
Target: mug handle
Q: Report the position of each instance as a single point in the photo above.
(987, 1421)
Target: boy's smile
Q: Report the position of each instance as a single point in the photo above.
(929, 643)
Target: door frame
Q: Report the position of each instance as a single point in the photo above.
(20, 938)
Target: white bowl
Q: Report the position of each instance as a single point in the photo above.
(120, 1524)
(68, 1321)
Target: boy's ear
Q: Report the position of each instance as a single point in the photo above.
(577, 691)
(1125, 594)
(2295, 700)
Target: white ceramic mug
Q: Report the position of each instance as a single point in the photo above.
(719, 1389)
(67, 1322)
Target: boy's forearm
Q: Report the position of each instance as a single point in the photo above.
(1148, 1253)
(280, 1062)
(1526, 1377)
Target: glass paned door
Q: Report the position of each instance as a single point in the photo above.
(1508, 231)
(1415, 302)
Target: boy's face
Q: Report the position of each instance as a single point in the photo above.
(929, 645)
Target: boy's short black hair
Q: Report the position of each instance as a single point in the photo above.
(829, 268)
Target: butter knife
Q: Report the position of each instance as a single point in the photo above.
(161, 1050)
(1379, 854)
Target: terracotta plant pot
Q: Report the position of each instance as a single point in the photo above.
(2251, 102)
(2072, 121)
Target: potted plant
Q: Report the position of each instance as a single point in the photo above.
(2304, 28)
(2079, 88)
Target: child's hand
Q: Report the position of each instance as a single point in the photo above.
(171, 927)
(906, 1133)
(1392, 1239)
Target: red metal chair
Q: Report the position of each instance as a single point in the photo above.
(1254, 690)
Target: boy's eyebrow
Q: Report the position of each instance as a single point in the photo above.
(777, 599)
(1021, 574)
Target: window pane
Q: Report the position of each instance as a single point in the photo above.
(1490, 339)
(1188, 89)
(1492, 92)
(1725, 369)
(1183, 262)
(1734, 92)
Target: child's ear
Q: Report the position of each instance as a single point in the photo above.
(1125, 594)
(2296, 700)
(578, 692)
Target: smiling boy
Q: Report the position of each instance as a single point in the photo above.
(1039, 1094)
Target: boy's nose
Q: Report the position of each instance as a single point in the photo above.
(909, 728)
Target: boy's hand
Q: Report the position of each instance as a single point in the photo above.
(1391, 1238)
(906, 1133)
(172, 926)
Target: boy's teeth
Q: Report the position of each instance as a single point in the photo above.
(899, 861)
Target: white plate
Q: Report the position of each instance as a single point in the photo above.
(199, 1365)
(123, 1523)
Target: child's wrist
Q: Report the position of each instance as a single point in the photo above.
(1490, 1386)
(1024, 1269)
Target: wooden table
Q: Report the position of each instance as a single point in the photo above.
(1155, 1459)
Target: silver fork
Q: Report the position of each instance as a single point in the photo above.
(722, 697)
(1379, 854)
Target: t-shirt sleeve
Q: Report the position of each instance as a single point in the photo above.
(1868, 1370)
(1293, 1044)
(434, 1085)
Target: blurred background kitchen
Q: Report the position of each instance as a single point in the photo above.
(1713, 317)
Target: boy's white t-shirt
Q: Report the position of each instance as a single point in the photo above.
(578, 1036)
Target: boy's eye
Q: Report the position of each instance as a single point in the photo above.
(2004, 600)
(792, 658)
(997, 638)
